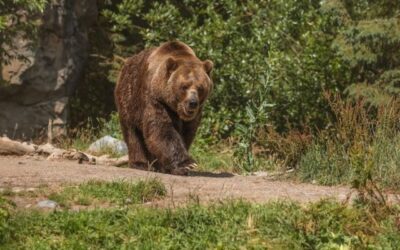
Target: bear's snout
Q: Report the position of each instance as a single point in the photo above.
(193, 103)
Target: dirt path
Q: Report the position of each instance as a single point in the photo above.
(28, 172)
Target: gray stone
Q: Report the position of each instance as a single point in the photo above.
(38, 89)
(108, 143)
(47, 204)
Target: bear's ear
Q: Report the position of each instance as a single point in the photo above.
(208, 66)
(171, 65)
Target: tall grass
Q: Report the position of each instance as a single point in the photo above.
(362, 144)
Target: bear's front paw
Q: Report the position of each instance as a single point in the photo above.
(180, 171)
(184, 169)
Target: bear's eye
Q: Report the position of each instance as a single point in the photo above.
(184, 87)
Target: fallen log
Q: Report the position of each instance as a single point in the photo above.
(10, 147)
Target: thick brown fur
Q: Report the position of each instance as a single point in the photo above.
(160, 95)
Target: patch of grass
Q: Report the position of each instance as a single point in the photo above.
(7, 191)
(230, 225)
(116, 192)
(221, 158)
(213, 158)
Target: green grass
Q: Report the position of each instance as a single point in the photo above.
(335, 164)
(116, 192)
(230, 225)
(213, 158)
(220, 158)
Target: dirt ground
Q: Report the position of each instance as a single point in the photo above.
(27, 173)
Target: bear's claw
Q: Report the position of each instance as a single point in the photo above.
(180, 171)
(183, 170)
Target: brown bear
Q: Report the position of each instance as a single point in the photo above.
(159, 96)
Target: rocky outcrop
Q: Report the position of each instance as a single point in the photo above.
(36, 94)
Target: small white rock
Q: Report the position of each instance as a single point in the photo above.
(108, 142)
(47, 204)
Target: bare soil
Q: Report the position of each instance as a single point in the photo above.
(30, 172)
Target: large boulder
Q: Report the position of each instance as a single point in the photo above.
(34, 101)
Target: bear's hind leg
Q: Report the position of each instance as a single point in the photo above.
(136, 148)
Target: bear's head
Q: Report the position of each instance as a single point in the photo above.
(188, 86)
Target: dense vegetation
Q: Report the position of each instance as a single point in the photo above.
(277, 66)
(273, 59)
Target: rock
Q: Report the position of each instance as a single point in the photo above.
(260, 173)
(47, 204)
(33, 102)
(108, 143)
(80, 157)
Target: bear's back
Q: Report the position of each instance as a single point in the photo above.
(131, 86)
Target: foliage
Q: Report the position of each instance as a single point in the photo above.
(17, 20)
(230, 225)
(265, 53)
(368, 42)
